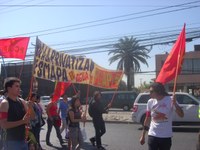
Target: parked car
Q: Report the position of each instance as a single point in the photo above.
(122, 99)
(189, 104)
(44, 100)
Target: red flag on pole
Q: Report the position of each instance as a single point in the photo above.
(60, 90)
(14, 47)
(173, 64)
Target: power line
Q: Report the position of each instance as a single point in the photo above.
(142, 38)
(84, 5)
(3, 12)
(111, 18)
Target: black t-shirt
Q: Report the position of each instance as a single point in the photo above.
(16, 112)
(77, 115)
(97, 110)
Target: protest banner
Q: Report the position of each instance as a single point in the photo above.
(52, 65)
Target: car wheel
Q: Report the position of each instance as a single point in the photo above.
(125, 108)
(142, 119)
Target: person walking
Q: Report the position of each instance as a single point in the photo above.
(53, 120)
(159, 114)
(42, 122)
(96, 110)
(63, 111)
(37, 121)
(14, 116)
(75, 117)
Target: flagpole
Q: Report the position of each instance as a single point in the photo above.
(86, 102)
(29, 95)
(177, 67)
(176, 75)
(115, 92)
(4, 66)
(20, 73)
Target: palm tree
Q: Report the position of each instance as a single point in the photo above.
(129, 54)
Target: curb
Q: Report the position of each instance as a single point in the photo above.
(121, 122)
(107, 121)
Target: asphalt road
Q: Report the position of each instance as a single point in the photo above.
(126, 137)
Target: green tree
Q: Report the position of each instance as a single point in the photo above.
(129, 55)
(144, 86)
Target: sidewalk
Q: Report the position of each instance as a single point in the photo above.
(116, 116)
(113, 116)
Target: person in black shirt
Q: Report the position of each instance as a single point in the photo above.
(13, 116)
(75, 117)
(97, 110)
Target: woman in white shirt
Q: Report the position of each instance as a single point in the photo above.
(159, 114)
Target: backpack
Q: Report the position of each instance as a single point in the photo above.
(90, 109)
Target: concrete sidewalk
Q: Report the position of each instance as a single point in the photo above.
(113, 116)
(116, 116)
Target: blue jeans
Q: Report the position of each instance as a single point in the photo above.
(15, 145)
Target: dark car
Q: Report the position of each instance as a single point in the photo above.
(122, 99)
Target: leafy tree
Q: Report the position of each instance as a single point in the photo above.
(129, 55)
(144, 86)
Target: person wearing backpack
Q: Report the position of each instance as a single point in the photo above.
(96, 110)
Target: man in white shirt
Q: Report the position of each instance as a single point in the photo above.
(159, 114)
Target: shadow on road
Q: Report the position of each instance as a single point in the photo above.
(182, 129)
(88, 146)
(186, 129)
(118, 110)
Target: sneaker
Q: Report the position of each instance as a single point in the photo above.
(49, 144)
(101, 148)
(92, 140)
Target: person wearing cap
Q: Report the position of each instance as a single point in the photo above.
(14, 116)
(97, 119)
(159, 114)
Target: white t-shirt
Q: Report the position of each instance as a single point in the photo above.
(161, 117)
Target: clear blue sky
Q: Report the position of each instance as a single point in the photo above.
(16, 21)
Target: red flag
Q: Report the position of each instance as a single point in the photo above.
(60, 90)
(14, 47)
(174, 60)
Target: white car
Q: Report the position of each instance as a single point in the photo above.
(44, 100)
(188, 103)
